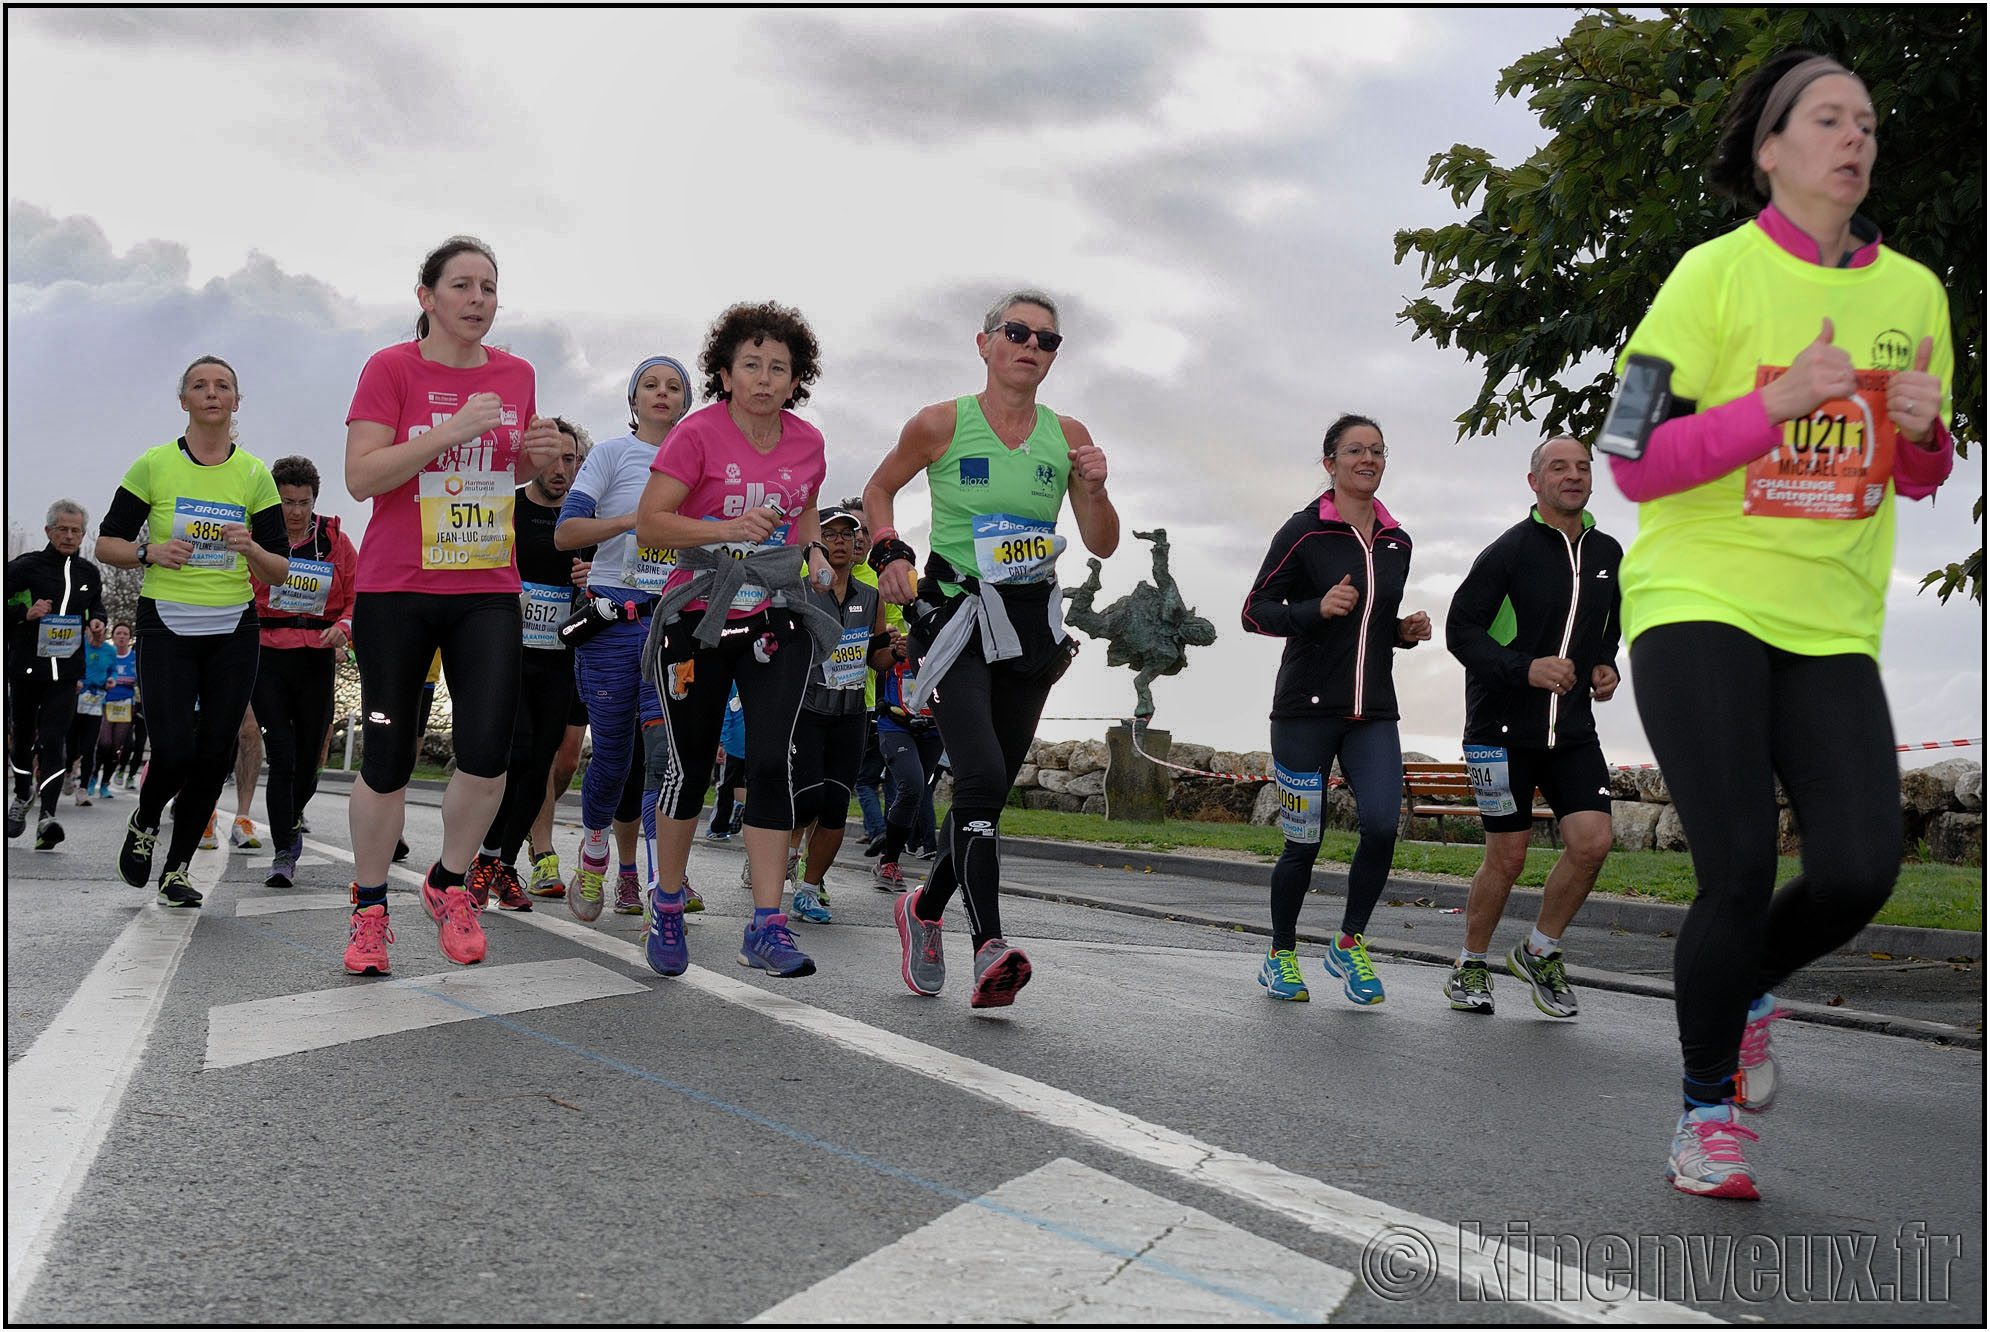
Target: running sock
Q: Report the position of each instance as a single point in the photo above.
(1539, 944)
(626, 869)
(1699, 1095)
(489, 852)
(1467, 955)
(594, 846)
(1345, 942)
(363, 898)
(1762, 1007)
(761, 915)
(444, 879)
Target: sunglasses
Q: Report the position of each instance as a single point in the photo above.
(1018, 332)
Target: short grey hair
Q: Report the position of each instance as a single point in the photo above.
(1534, 458)
(62, 506)
(1025, 296)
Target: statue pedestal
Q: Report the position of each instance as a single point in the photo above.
(1136, 790)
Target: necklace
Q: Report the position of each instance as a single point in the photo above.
(1020, 433)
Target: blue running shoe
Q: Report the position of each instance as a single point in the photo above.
(1352, 968)
(808, 904)
(772, 949)
(665, 946)
(1281, 977)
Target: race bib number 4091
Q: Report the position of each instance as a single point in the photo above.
(466, 520)
(1834, 463)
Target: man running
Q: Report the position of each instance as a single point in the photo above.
(52, 593)
(1536, 624)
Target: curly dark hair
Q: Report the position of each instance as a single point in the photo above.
(756, 324)
(296, 470)
(1731, 170)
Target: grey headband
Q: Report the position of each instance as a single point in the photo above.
(670, 361)
(1784, 96)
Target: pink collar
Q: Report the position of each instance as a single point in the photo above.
(1330, 514)
(1798, 242)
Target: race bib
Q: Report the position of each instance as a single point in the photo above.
(59, 635)
(1300, 797)
(845, 667)
(1492, 780)
(466, 520)
(305, 589)
(1008, 549)
(546, 607)
(118, 710)
(90, 703)
(650, 568)
(200, 522)
(1833, 463)
(750, 598)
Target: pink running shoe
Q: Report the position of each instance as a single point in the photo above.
(1755, 1081)
(455, 913)
(628, 895)
(1706, 1154)
(999, 971)
(366, 954)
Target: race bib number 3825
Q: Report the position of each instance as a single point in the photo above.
(466, 520)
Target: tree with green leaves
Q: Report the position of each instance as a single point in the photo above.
(1564, 252)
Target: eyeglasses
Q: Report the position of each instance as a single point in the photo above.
(1362, 451)
(1016, 331)
(839, 536)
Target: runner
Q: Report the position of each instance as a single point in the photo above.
(546, 880)
(306, 623)
(1810, 367)
(1331, 586)
(1000, 465)
(120, 707)
(600, 511)
(51, 594)
(81, 745)
(1535, 622)
(247, 764)
(910, 745)
(733, 493)
(829, 734)
(552, 578)
(199, 514)
(438, 431)
(729, 801)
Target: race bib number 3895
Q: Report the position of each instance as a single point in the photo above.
(466, 520)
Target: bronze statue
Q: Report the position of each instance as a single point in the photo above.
(1147, 629)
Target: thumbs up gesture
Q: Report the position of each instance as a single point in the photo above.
(1914, 397)
(1340, 598)
(1820, 373)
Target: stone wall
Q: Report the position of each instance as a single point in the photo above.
(1940, 805)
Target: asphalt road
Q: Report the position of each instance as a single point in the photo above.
(210, 1121)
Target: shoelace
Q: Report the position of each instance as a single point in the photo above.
(669, 925)
(142, 842)
(1288, 968)
(588, 884)
(1717, 1140)
(1755, 1037)
(455, 909)
(1553, 974)
(1476, 980)
(776, 935)
(370, 931)
(1357, 957)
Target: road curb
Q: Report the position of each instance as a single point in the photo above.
(1603, 909)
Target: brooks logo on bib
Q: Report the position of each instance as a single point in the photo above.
(1008, 549)
(1833, 463)
(59, 636)
(466, 520)
(545, 606)
(1492, 780)
(1299, 802)
(845, 667)
(305, 590)
(201, 522)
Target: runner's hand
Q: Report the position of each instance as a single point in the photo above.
(1340, 598)
(1914, 397)
(898, 582)
(172, 554)
(1554, 674)
(1416, 628)
(1602, 683)
(1820, 373)
(1088, 461)
(541, 444)
(755, 525)
(483, 413)
(333, 638)
(581, 570)
(40, 608)
(237, 537)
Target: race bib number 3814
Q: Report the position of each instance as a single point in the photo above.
(466, 520)
(1834, 463)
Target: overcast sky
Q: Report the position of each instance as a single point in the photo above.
(1211, 196)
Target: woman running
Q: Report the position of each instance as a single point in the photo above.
(733, 492)
(1331, 586)
(600, 511)
(199, 514)
(1000, 465)
(306, 623)
(1809, 371)
(120, 706)
(440, 431)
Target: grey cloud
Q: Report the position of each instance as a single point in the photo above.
(981, 71)
(42, 249)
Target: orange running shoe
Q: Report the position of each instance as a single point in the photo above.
(367, 953)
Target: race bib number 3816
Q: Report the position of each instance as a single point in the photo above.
(1834, 463)
(466, 520)
(1008, 549)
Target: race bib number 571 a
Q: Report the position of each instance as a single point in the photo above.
(466, 520)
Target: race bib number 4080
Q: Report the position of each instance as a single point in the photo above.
(201, 523)
(305, 589)
(466, 520)
(1834, 463)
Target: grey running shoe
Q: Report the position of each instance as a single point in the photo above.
(17, 817)
(283, 867)
(999, 971)
(1547, 977)
(1470, 987)
(924, 968)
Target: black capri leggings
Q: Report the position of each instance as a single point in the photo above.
(293, 702)
(828, 752)
(679, 749)
(1726, 715)
(396, 635)
(196, 689)
(1371, 759)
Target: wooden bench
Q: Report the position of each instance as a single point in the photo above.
(1424, 781)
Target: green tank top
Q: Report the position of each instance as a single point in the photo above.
(995, 508)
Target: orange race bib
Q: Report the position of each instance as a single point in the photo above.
(1834, 463)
